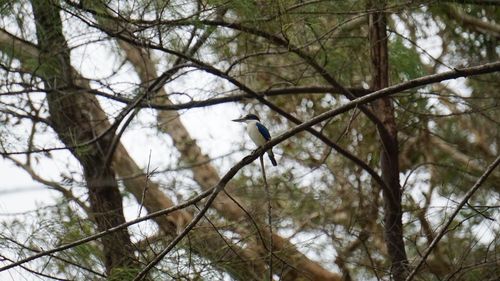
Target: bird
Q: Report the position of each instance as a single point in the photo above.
(258, 133)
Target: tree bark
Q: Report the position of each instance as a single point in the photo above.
(389, 158)
(68, 114)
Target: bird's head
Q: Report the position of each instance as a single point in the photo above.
(247, 118)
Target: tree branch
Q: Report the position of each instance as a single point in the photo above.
(232, 98)
(472, 22)
(109, 231)
(444, 229)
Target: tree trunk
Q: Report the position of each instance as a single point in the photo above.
(69, 115)
(389, 158)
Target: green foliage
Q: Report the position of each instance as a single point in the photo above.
(123, 274)
(404, 62)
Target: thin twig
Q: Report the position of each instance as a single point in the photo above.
(141, 204)
(23, 246)
(443, 231)
(109, 231)
(228, 245)
(261, 237)
(269, 217)
(215, 191)
(310, 90)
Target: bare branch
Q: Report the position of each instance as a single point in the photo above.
(53, 185)
(444, 229)
(232, 98)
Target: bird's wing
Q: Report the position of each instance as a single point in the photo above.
(263, 130)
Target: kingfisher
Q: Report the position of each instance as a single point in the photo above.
(258, 133)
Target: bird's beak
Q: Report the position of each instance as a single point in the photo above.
(238, 120)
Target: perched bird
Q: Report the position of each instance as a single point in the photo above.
(258, 133)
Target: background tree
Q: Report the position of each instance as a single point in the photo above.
(365, 193)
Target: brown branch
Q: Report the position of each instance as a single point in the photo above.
(17, 47)
(232, 98)
(455, 153)
(52, 185)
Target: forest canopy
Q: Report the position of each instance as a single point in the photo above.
(384, 118)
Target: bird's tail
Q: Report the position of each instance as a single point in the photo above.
(271, 157)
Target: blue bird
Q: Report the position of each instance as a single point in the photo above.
(258, 133)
